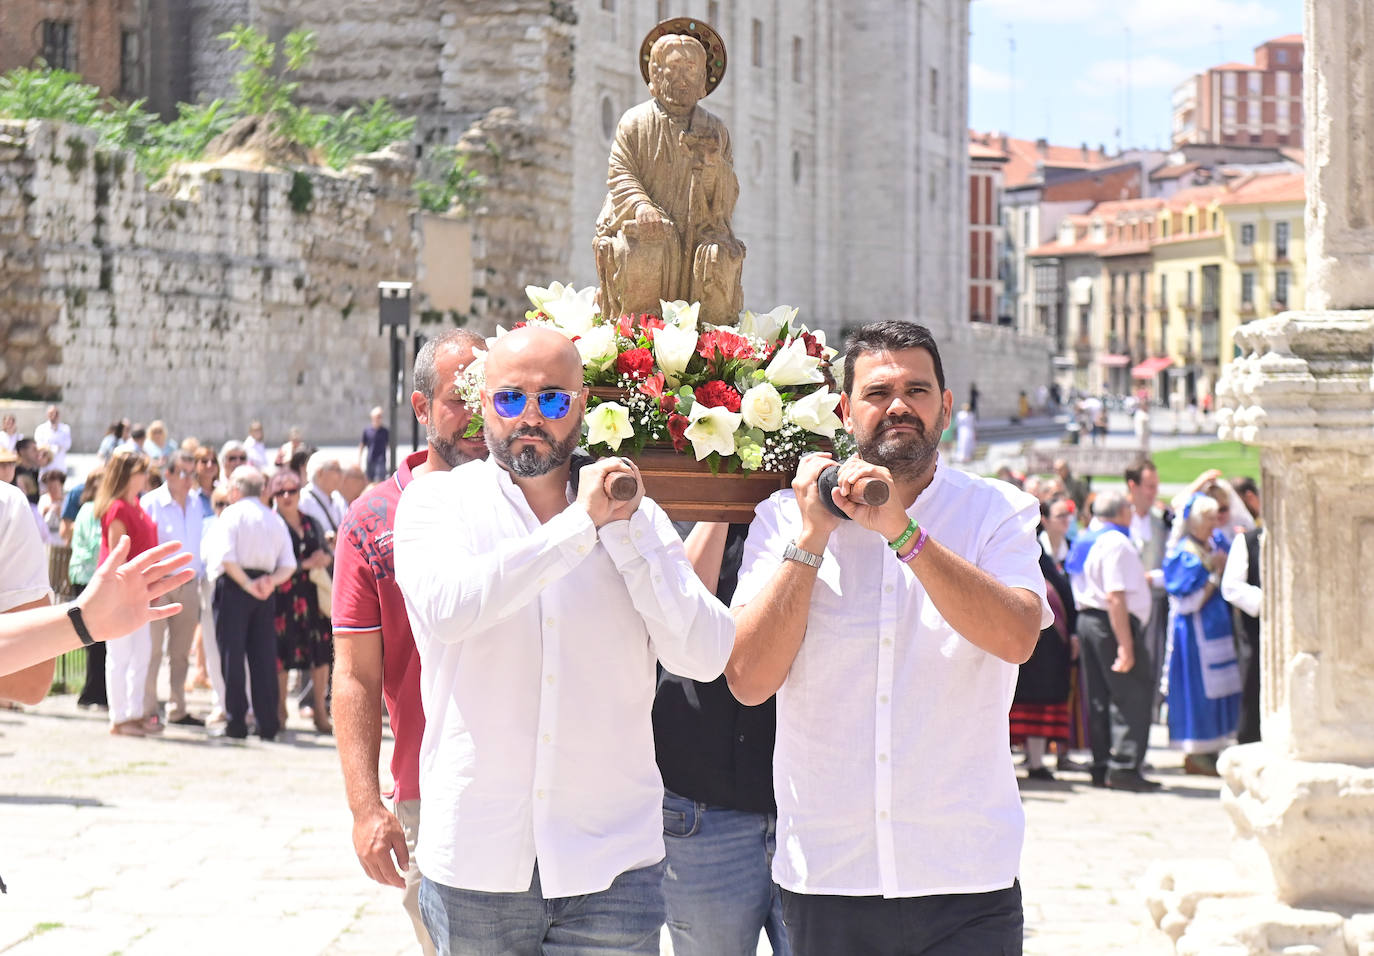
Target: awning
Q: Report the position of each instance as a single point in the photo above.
(1113, 360)
(1151, 367)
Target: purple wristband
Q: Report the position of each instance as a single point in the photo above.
(920, 543)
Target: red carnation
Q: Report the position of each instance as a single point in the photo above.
(677, 429)
(636, 363)
(730, 345)
(668, 402)
(813, 348)
(717, 394)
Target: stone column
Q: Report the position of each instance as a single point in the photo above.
(1302, 802)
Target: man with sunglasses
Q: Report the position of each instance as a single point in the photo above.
(539, 612)
(178, 515)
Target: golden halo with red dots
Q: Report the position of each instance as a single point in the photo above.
(700, 31)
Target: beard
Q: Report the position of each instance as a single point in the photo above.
(906, 455)
(447, 448)
(529, 463)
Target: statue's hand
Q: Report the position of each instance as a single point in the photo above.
(651, 222)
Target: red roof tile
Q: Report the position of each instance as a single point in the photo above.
(1023, 156)
(1276, 187)
(1174, 172)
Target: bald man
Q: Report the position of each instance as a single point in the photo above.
(539, 609)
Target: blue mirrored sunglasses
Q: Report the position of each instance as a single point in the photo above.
(554, 403)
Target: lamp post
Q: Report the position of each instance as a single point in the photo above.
(393, 312)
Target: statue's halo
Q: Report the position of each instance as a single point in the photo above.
(699, 30)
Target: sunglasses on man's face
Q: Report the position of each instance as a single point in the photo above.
(554, 403)
(232, 459)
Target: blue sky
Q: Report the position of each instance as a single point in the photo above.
(1066, 80)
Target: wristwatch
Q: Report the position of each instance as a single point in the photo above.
(794, 553)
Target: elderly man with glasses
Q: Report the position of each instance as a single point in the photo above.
(176, 510)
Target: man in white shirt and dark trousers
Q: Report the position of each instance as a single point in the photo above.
(892, 641)
(249, 557)
(1112, 592)
(1240, 586)
(177, 511)
(538, 613)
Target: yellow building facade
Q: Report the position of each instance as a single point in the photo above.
(1223, 256)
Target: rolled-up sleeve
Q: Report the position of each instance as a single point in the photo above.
(691, 631)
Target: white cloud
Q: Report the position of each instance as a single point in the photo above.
(1107, 77)
(990, 81)
(1180, 23)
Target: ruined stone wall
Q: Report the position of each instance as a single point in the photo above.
(226, 295)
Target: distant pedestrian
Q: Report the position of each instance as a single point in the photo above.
(965, 425)
(126, 659)
(373, 448)
(1113, 598)
(9, 432)
(113, 437)
(80, 570)
(157, 446)
(353, 484)
(1023, 406)
(255, 446)
(1141, 421)
(295, 442)
(55, 436)
(973, 398)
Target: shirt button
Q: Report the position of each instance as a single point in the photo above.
(548, 622)
(882, 814)
(548, 738)
(741, 738)
(581, 549)
(882, 758)
(888, 589)
(625, 539)
(882, 699)
(887, 642)
(549, 678)
(539, 794)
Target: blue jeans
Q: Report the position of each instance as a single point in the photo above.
(719, 887)
(624, 919)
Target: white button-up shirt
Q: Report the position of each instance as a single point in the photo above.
(328, 510)
(537, 649)
(175, 523)
(57, 437)
(1113, 564)
(892, 771)
(251, 535)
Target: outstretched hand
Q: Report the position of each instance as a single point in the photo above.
(119, 598)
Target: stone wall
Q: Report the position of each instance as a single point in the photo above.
(224, 295)
(1002, 361)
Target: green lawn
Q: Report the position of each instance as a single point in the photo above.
(1182, 465)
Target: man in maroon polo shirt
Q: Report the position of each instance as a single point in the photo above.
(374, 651)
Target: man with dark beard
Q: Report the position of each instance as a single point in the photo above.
(892, 643)
(375, 657)
(539, 614)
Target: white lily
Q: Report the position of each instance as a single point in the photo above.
(609, 423)
(792, 366)
(572, 311)
(712, 429)
(673, 349)
(816, 412)
(597, 344)
(769, 324)
(827, 353)
(539, 295)
(680, 313)
(761, 407)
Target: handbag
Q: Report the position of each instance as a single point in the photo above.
(324, 589)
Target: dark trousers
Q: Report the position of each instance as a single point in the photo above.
(960, 924)
(93, 691)
(1118, 704)
(244, 630)
(1248, 650)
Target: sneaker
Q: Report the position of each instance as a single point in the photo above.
(1130, 780)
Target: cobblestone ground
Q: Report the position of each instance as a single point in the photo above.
(183, 844)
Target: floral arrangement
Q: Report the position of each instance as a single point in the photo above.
(751, 396)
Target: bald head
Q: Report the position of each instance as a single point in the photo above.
(535, 348)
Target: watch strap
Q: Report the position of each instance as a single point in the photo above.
(794, 553)
(78, 622)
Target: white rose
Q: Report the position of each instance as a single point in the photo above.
(609, 423)
(673, 349)
(538, 295)
(768, 325)
(792, 366)
(712, 429)
(816, 412)
(761, 407)
(597, 344)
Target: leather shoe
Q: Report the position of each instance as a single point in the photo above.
(1130, 780)
(1040, 773)
(187, 720)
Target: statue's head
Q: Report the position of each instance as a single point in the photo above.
(677, 72)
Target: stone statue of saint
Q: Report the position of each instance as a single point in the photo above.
(664, 231)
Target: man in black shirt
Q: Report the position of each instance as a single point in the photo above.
(719, 816)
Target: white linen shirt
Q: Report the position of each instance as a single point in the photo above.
(23, 559)
(892, 771)
(1236, 588)
(1113, 564)
(57, 437)
(175, 523)
(537, 649)
(328, 510)
(251, 535)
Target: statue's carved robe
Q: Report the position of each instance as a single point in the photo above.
(685, 168)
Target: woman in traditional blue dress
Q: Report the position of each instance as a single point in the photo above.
(1204, 677)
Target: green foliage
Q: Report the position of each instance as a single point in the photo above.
(366, 130)
(458, 184)
(302, 192)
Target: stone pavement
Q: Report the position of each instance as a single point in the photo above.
(157, 846)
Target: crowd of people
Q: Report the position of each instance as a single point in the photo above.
(154, 490)
(602, 746)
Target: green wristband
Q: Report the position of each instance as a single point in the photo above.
(911, 528)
